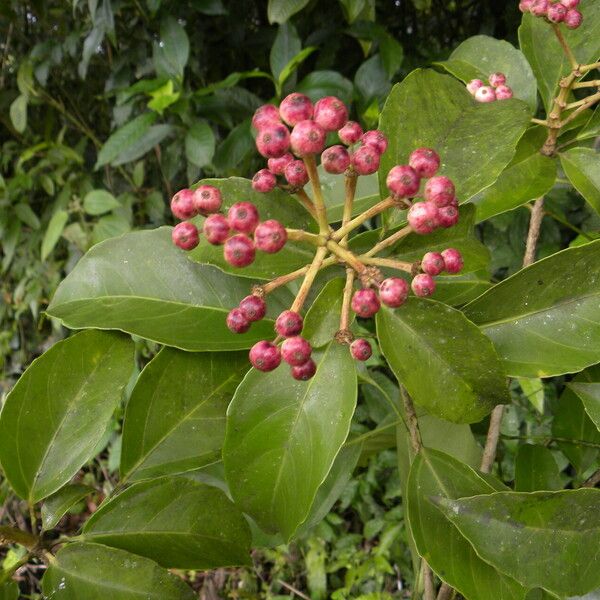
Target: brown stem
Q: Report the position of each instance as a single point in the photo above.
(535, 223)
(346, 299)
(491, 442)
(346, 256)
(365, 216)
(593, 480)
(17, 536)
(565, 46)
(390, 241)
(543, 122)
(309, 278)
(319, 202)
(399, 265)
(350, 191)
(445, 592)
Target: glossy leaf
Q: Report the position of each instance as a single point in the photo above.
(536, 469)
(57, 412)
(18, 113)
(56, 506)
(279, 11)
(582, 167)
(283, 436)
(159, 294)
(504, 527)
(175, 521)
(442, 359)
(322, 320)
(543, 320)
(175, 418)
(589, 394)
(96, 572)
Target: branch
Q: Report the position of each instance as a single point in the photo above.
(319, 202)
(565, 46)
(309, 278)
(589, 102)
(585, 84)
(390, 241)
(535, 224)
(399, 265)
(346, 256)
(267, 288)
(365, 216)
(300, 235)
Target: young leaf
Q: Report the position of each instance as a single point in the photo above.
(57, 412)
(536, 469)
(56, 506)
(53, 232)
(582, 167)
(589, 394)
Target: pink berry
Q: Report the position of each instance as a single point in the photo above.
(295, 108)
(361, 349)
(424, 161)
(289, 323)
(423, 285)
(273, 140)
(485, 94)
(525, 5)
(270, 236)
(573, 19)
(497, 79)
(295, 351)
(557, 13)
(237, 321)
(239, 250)
(296, 173)
(185, 235)
(307, 138)
(265, 356)
(243, 216)
(350, 133)
(207, 199)
(503, 92)
(304, 372)
(439, 190)
(448, 216)
(433, 263)
(330, 113)
(365, 303)
(539, 8)
(365, 160)
(264, 181)
(403, 181)
(423, 217)
(265, 115)
(216, 229)
(453, 261)
(570, 3)
(393, 291)
(375, 139)
(335, 159)
(474, 85)
(253, 308)
(182, 205)
(277, 165)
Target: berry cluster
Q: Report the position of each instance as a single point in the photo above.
(495, 90)
(555, 11)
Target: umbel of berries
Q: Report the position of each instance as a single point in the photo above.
(496, 88)
(554, 11)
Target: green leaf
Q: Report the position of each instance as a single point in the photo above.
(171, 53)
(436, 474)
(98, 202)
(236, 146)
(175, 521)
(443, 360)
(534, 390)
(322, 320)
(96, 572)
(536, 469)
(294, 63)
(142, 284)
(287, 44)
(326, 83)
(505, 526)
(53, 232)
(543, 320)
(110, 226)
(283, 436)
(152, 137)
(56, 506)
(9, 591)
(27, 216)
(200, 144)
(481, 55)
(279, 11)
(435, 110)
(592, 128)
(582, 167)
(163, 97)
(175, 418)
(366, 195)
(57, 412)
(18, 113)
(589, 394)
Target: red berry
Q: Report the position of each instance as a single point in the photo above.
(295, 108)
(503, 92)
(243, 216)
(207, 199)
(423, 285)
(403, 181)
(253, 308)
(539, 8)
(453, 261)
(270, 236)
(182, 205)
(216, 229)
(433, 263)
(525, 5)
(335, 159)
(497, 79)
(296, 173)
(448, 216)
(289, 323)
(237, 321)
(350, 133)
(423, 217)
(365, 160)
(304, 372)
(273, 140)
(425, 162)
(360, 349)
(570, 3)
(239, 250)
(277, 165)
(265, 356)
(185, 235)
(474, 85)
(376, 139)
(265, 115)
(573, 19)
(307, 138)
(295, 351)
(264, 181)
(557, 13)
(393, 291)
(365, 303)
(485, 94)
(439, 190)
(330, 113)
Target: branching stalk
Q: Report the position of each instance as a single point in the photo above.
(319, 202)
(309, 279)
(299, 235)
(399, 265)
(365, 216)
(389, 241)
(346, 256)
(267, 288)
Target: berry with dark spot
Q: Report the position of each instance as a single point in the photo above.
(307, 138)
(497, 79)
(403, 181)
(243, 216)
(237, 321)
(216, 229)
(439, 190)
(433, 263)
(423, 217)
(573, 19)
(393, 291)
(182, 205)
(265, 356)
(270, 236)
(304, 372)
(264, 181)
(267, 114)
(350, 133)
(361, 349)
(289, 323)
(474, 85)
(295, 108)
(273, 140)
(557, 12)
(423, 285)
(448, 216)
(376, 139)
(330, 113)
(335, 159)
(295, 351)
(207, 199)
(277, 165)
(453, 261)
(503, 92)
(365, 160)
(254, 308)
(296, 173)
(239, 250)
(185, 235)
(485, 94)
(365, 303)
(425, 161)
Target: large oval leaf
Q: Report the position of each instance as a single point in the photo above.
(58, 411)
(175, 521)
(444, 361)
(142, 284)
(283, 436)
(582, 167)
(175, 418)
(544, 320)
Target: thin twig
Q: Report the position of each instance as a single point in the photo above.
(491, 442)
(292, 589)
(309, 278)
(592, 481)
(535, 223)
(565, 46)
(365, 216)
(319, 201)
(390, 241)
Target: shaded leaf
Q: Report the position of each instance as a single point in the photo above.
(326, 83)
(152, 137)
(98, 202)
(582, 167)
(279, 11)
(18, 113)
(287, 44)
(589, 394)
(322, 320)
(172, 51)
(200, 144)
(9, 591)
(56, 506)
(536, 469)
(53, 232)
